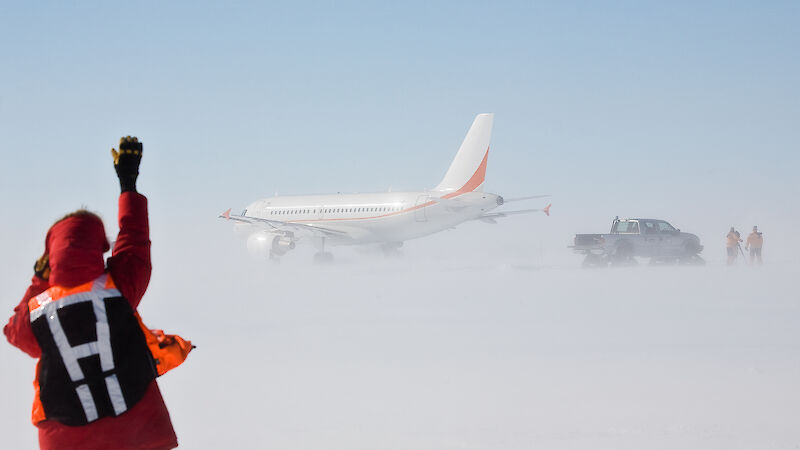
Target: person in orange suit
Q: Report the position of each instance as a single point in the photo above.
(755, 241)
(732, 240)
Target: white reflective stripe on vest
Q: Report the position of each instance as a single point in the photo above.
(87, 401)
(102, 346)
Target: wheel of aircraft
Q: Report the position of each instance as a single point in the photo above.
(323, 257)
(392, 250)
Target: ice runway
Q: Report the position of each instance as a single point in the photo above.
(421, 356)
(470, 354)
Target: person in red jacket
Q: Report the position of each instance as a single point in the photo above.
(95, 384)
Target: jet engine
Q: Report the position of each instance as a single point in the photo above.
(269, 244)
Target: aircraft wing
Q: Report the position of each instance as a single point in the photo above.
(277, 225)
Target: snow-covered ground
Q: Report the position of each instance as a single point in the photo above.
(451, 351)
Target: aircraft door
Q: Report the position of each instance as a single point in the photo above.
(420, 210)
(320, 212)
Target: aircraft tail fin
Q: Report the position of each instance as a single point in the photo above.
(467, 172)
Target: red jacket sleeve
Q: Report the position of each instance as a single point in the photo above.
(18, 331)
(129, 264)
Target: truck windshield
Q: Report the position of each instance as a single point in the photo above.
(626, 227)
(664, 227)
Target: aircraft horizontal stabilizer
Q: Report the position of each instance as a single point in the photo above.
(496, 215)
(530, 197)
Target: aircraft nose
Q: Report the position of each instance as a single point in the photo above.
(500, 200)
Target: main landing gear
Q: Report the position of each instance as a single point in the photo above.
(323, 257)
(392, 250)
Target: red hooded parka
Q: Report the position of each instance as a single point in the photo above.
(75, 247)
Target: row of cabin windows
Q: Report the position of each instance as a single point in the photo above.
(335, 210)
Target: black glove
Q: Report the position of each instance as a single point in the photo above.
(42, 267)
(126, 162)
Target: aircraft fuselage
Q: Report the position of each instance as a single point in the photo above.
(376, 217)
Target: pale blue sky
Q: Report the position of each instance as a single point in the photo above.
(682, 110)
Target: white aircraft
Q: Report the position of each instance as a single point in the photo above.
(388, 219)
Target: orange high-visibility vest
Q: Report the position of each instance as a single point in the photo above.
(733, 239)
(98, 357)
(755, 240)
(95, 361)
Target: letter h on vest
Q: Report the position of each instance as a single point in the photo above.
(72, 327)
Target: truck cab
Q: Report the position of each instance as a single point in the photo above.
(657, 237)
(642, 226)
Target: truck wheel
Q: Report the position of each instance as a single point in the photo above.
(623, 256)
(690, 256)
(692, 260)
(620, 260)
(662, 261)
(593, 260)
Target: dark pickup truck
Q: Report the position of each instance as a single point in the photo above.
(643, 238)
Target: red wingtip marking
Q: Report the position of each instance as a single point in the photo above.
(227, 214)
(547, 209)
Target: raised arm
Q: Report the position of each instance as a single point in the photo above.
(129, 264)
